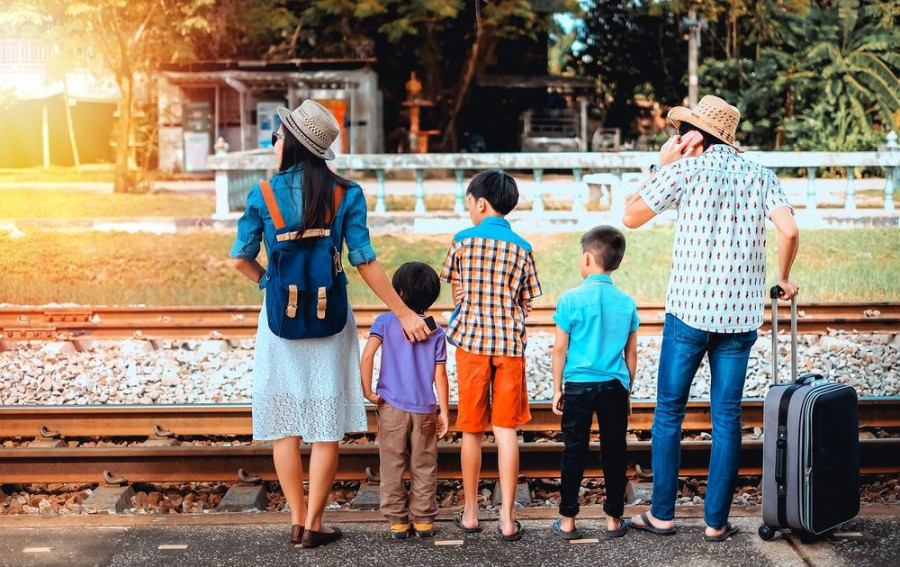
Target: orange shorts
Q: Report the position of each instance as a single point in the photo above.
(492, 391)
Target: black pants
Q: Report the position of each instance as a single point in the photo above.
(609, 400)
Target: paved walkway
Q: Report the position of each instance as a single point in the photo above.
(873, 539)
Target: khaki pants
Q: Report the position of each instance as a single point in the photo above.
(407, 441)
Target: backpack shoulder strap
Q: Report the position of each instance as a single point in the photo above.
(338, 197)
(272, 204)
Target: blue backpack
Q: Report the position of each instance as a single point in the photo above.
(306, 289)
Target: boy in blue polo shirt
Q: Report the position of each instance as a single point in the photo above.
(595, 355)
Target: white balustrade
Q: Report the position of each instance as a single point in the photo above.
(236, 172)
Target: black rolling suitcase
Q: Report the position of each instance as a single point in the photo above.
(810, 449)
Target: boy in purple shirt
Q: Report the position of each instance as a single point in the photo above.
(408, 427)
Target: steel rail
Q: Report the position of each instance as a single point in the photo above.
(234, 322)
(222, 420)
(222, 463)
(215, 463)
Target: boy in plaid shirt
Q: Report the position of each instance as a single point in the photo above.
(494, 280)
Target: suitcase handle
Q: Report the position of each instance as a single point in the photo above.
(775, 293)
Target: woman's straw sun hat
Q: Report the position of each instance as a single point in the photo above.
(313, 126)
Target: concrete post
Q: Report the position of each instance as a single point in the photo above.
(420, 191)
(380, 205)
(538, 206)
(459, 205)
(850, 201)
(221, 194)
(811, 188)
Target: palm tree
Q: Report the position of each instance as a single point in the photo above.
(855, 60)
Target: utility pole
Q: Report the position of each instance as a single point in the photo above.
(693, 27)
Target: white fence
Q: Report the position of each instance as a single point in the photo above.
(237, 172)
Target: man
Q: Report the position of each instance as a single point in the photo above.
(715, 297)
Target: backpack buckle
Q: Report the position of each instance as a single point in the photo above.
(323, 302)
(336, 258)
(291, 310)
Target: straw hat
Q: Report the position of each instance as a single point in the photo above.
(313, 126)
(712, 115)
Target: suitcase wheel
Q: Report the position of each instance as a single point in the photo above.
(766, 532)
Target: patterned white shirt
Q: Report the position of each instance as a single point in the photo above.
(718, 279)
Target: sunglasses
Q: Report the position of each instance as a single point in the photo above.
(276, 136)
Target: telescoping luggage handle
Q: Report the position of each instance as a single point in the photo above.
(784, 405)
(775, 293)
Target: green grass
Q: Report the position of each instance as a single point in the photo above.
(94, 173)
(193, 269)
(18, 204)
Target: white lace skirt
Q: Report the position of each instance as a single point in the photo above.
(308, 387)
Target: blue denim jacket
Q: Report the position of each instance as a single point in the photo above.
(256, 223)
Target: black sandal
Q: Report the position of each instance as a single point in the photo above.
(623, 528)
(648, 527)
(729, 531)
(514, 537)
(457, 519)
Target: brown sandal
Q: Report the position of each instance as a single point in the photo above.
(296, 533)
(315, 539)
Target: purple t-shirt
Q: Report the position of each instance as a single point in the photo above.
(406, 380)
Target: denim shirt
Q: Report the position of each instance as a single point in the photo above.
(256, 225)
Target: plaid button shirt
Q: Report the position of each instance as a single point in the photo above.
(496, 269)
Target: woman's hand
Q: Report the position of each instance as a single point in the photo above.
(414, 326)
(373, 397)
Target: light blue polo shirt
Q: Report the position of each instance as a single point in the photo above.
(598, 318)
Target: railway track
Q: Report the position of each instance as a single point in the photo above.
(71, 323)
(160, 458)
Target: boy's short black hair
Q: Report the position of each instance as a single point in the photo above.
(708, 139)
(606, 245)
(418, 285)
(496, 187)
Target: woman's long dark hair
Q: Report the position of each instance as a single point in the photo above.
(318, 182)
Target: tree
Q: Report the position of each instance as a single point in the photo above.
(130, 40)
(635, 49)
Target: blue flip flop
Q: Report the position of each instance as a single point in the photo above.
(557, 529)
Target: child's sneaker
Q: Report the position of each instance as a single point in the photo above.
(401, 531)
(424, 530)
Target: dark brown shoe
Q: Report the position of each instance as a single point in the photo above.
(296, 533)
(315, 539)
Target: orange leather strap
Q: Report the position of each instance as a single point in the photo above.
(275, 212)
(338, 197)
(272, 204)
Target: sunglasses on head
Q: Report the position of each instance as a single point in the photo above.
(275, 136)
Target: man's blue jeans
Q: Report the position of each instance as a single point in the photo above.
(683, 348)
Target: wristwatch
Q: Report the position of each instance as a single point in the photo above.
(654, 168)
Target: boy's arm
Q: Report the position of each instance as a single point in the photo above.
(631, 363)
(631, 358)
(560, 348)
(531, 285)
(366, 364)
(441, 384)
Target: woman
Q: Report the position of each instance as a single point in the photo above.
(310, 389)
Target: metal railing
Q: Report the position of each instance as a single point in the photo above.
(237, 172)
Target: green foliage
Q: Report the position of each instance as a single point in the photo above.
(825, 127)
(752, 86)
(635, 48)
(822, 79)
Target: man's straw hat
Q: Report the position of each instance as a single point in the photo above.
(313, 126)
(712, 115)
